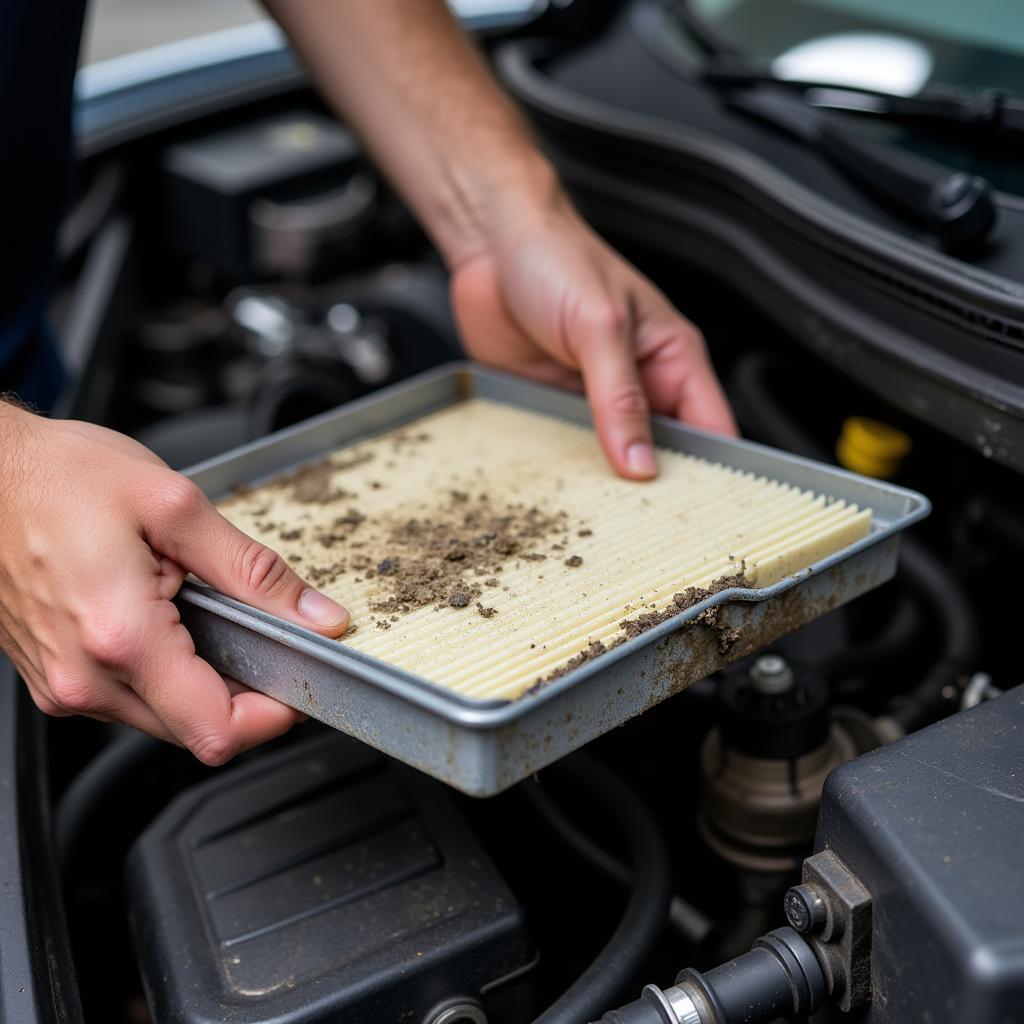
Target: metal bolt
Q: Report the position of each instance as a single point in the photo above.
(344, 318)
(770, 674)
(459, 1013)
(805, 909)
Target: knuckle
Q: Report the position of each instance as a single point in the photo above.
(262, 570)
(70, 692)
(694, 339)
(214, 749)
(48, 706)
(628, 402)
(606, 316)
(179, 497)
(107, 640)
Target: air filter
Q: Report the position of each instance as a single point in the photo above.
(488, 548)
(511, 597)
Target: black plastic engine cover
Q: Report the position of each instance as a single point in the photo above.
(211, 182)
(933, 826)
(325, 883)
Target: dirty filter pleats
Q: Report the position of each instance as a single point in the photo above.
(487, 549)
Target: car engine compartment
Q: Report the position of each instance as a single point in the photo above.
(848, 803)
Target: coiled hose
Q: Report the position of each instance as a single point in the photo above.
(895, 639)
(924, 574)
(693, 925)
(643, 919)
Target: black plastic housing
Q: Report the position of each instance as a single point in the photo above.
(325, 883)
(786, 725)
(933, 826)
(211, 182)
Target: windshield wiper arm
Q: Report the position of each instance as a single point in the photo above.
(991, 110)
(957, 207)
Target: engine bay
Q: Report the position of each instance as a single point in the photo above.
(830, 824)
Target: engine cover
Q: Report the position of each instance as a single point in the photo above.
(933, 826)
(322, 883)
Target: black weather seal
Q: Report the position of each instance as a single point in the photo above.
(37, 974)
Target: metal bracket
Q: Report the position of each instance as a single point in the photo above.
(842, 938)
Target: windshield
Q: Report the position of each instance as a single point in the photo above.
(975, 45)
(900, 47)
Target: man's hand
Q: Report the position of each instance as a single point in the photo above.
(551, 301)
(96, 536)
(535, 290)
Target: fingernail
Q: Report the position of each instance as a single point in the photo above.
(319, 608)
(640, 459)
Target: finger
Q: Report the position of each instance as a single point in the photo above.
(81, 688)
(193, 701)
(127, 707)
(43, 700)
(235, 688)
(200, 710)
(188, 530)
(27, 673)
(600, 336)
(170, 577)
(702, 401)
(139, 717)
(676, 371)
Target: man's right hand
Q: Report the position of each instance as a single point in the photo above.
(96, 536)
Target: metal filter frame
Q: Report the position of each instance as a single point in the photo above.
(483, 746)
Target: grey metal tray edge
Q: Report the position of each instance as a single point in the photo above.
(327, 665)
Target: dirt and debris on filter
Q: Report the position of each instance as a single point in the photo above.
(314, 484)
(486, 548)
(680, 603)
(439, 555)
(634, 627)
(439, 559)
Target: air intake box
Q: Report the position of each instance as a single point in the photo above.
(933, 827)
(322, 883)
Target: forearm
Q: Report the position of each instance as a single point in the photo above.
(412, 84)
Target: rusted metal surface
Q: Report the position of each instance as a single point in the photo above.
(482, 747)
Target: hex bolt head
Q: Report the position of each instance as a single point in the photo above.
(770, 674)
(805, 909)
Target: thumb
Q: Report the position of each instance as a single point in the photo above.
(601, 339)
(188, 529)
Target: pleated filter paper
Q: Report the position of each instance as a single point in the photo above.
(489, 549)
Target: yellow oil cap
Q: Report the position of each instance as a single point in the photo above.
(872, 448)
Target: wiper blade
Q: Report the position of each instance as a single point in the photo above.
(958, 208)
(990, 110)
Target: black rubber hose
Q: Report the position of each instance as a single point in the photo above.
(922, 571)
(81, 801)
(894, 640)
(936, 587)
(576, 839)
(939, 590)
(646, 912)
(685, 918)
